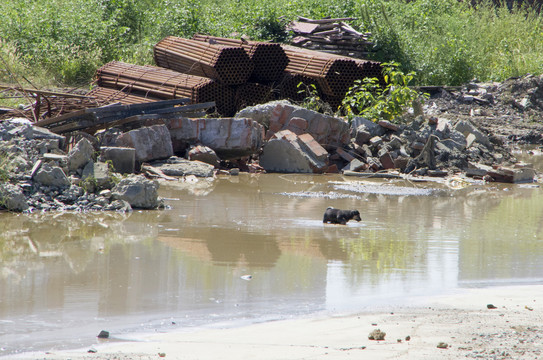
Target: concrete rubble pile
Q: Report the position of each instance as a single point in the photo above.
(40, 176)
(97, 173)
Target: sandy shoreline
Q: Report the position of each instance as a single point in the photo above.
(513, 330)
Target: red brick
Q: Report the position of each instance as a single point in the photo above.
(345, 155)
(299, 123)
(387, 161)
(314, 146)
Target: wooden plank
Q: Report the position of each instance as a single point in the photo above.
(303, 28)
(327, 32)
(324, 21)
(348, 28)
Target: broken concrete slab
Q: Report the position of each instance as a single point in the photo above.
(355, 165)
(512, 175)
(97, 176)
(176, 166)
(51, 176)
(466, 128)
(80, 155)
(138, 191)
(230, 138)
(12, 198)
(150, 143)
(328, 131)
(204, 154)
(371, 127)
(123, 159)
(287, 153)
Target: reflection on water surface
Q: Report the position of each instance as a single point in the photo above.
(65, 277)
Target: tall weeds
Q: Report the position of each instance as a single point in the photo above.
(443, 42)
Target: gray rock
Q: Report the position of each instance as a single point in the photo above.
(204, 154)
(12, 198)
(261, 113)
(362, 136)
(466, 128)
(150, 143)
(122, 159)
(71, 194)
(373, 128)
(329, 131)
(354, 165)
(285, 153)
(182, 167)
(395, 142)
(456, 140)
(97, 176)
(80, 155)
(51, 176)
(46, 134)
(138, 191)
(119, 205)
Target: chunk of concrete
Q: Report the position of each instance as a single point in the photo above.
(98, 174)
(371, 127)
(230, 138)
(355, 165)
(204, 154)
(80, 155)
(176, 166)
(466, 128)
(138, 191)
(12, 198)
(150, 143)
(328, 131)
(287, 153)
(123, 159)
(51, 176)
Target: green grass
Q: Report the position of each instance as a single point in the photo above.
(62, 42)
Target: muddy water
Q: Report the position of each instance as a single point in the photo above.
(254, 248)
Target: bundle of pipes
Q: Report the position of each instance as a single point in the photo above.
(334, 74)
(297, 87)
(228, 64)
(371, 69)
(107, 96)
(250, 94)
(166, 84)
(269, 59)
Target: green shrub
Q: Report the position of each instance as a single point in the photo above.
(369, 99)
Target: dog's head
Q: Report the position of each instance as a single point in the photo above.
(355, 215)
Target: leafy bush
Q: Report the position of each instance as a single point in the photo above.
(369, 99)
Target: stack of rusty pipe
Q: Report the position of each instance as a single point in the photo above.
(229, 65)
(297, 87)
(269, 59)
(251, 94)
(108, 96)
(335, 74)
(166, 84)
(233, 73)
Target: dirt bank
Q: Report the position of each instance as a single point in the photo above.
(457, 326)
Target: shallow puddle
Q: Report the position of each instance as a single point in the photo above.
(254, 248)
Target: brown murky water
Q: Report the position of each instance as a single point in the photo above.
(254, 248)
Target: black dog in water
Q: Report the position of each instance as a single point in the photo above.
(336, 216)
